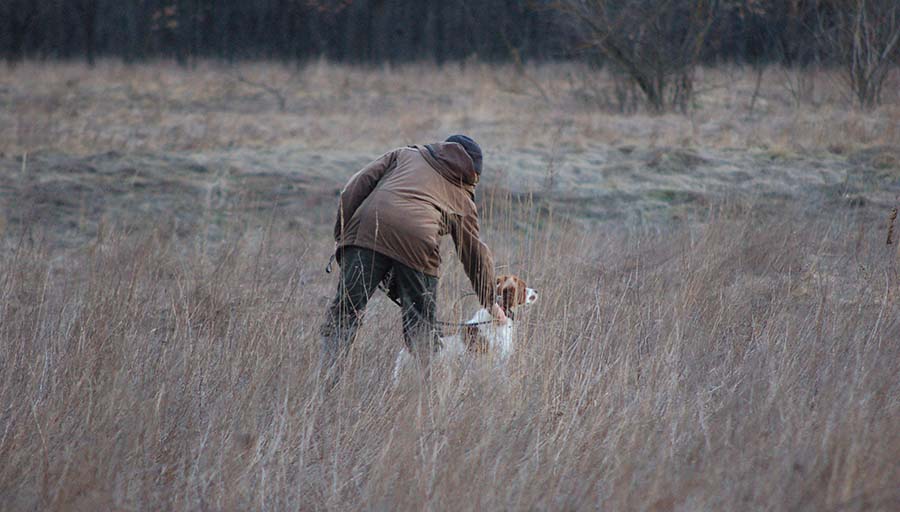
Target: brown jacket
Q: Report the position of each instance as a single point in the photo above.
(401, 205)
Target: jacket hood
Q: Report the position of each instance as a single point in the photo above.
(452, 162)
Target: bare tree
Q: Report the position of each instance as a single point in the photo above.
(656, 44)
(864, 38)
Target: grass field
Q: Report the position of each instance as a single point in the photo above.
(162, 107)
(718, 327)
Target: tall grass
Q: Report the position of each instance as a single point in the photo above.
(743, 363)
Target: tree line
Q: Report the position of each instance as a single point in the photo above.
(369, 31)
(358, 31)
(655, 44)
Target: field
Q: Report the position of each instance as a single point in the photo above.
(718, 327)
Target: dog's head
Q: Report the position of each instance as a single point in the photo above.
(513, 292)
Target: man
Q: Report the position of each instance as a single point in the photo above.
(391, 217)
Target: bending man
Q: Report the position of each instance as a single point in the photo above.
(391, 217)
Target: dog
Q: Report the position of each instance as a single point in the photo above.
(482, 335)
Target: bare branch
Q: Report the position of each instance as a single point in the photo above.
(279, 96)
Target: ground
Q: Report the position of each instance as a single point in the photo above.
(717, 326)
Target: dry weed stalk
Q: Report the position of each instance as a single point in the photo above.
(891, 219)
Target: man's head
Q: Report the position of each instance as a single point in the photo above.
(471, 147)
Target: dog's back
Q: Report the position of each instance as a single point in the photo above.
(481, 335)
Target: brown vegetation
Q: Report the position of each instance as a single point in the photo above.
(162, 107)
(159, 303)
(742, 364)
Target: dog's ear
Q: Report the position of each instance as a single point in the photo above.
(507, 291)
(521, 292)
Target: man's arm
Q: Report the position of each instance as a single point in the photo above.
(475, 257)
(359, 187)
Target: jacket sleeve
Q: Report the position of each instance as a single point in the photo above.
(475, 257)
(359, 187)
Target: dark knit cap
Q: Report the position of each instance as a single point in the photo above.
(471, 147)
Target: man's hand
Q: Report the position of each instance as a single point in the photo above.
(498, 314)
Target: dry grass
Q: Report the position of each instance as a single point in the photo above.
(743, 363)
(163, 356)
(161, 107)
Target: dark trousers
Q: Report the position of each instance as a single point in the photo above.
(361, 272)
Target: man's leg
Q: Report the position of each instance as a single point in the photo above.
(361, 271)
(417, 293)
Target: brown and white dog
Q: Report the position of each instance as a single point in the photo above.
(481, 335)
